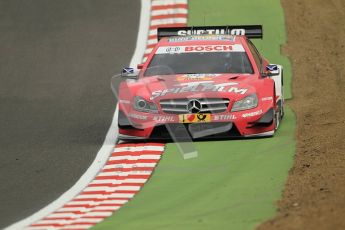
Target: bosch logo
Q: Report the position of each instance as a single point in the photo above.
(209, 48)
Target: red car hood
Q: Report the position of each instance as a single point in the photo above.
(196, 86)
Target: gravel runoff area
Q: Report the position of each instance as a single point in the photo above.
(314, 196)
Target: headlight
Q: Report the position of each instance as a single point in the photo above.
(140, 104)
(248, 102)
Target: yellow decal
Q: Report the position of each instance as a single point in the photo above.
(194, 118)
(194, 77)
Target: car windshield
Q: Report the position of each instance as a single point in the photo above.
(199, 63)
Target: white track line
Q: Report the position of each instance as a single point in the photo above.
(165, 2)
(139, 149)
(108, 145)
(142, 34)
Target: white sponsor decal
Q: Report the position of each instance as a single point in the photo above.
(267, 99)
(163, 118)
(252, 114)
(238, 32)
(199, 48)
(197, 75)
(224, 117)
(212, 31)
(203, 38)
(137, 116)
(200, 86)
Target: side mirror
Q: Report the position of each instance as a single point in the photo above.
(271, 71)
(129, 73)
(140, 66)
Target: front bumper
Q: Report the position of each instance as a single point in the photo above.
(250, 123)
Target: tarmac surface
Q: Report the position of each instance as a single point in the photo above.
(56, 61)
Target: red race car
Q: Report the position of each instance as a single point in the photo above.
(202, 82)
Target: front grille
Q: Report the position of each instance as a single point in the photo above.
(208, 105)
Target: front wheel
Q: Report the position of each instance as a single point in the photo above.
(278, 116)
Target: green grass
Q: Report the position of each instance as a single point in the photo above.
(231, 184)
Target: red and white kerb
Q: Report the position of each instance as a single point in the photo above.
(125, 173)
(165, 13)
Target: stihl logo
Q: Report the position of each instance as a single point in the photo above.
(208, 48)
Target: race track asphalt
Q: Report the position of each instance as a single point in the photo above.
(56, 61)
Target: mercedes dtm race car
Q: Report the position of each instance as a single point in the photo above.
(202, 82)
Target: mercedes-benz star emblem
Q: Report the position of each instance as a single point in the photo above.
(194, 106)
